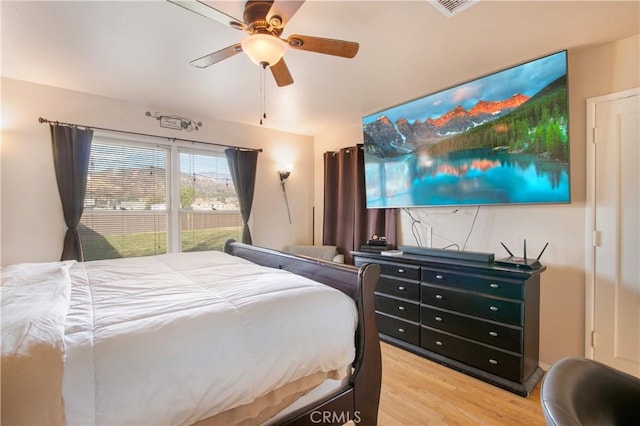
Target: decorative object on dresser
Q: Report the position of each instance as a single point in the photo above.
(377, 241)
(474, 316)
(376, 245)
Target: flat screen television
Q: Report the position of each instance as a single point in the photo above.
(500, 139)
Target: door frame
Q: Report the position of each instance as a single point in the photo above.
(590, 218)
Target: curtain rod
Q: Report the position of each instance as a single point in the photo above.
(44, 120)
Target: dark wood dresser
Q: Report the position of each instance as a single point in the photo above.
(476, 317)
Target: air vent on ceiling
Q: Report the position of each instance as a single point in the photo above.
(451, 7)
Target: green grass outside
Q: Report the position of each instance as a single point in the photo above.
(209, 239)
(146, 244)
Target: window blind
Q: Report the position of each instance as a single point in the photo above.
(209, 209)
(126, 202)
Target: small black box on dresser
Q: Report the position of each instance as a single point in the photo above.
(476, 317)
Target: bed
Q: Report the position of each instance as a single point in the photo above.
(272, 339)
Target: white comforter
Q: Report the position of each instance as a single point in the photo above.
(175, 338)
(35, 301)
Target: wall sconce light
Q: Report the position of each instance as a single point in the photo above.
(284, 174)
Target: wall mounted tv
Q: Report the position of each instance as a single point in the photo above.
(499, 139)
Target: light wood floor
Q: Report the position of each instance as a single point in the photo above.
(416, 391)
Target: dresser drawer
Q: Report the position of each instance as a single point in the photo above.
(392, 269)
(399, 288)
(400, 329)
(397, 270)
(470, 303)
(494, 361)
(501, 336)
(398, 307)
(482, 284)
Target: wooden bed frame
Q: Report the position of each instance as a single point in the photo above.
(359, 400)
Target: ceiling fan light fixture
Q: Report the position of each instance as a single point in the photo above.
(264, 48)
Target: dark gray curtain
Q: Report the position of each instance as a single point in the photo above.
(71, 151)
(347, 223)
(242, 165)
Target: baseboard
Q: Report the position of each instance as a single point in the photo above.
(544, 366)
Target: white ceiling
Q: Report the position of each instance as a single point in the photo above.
(140, 52)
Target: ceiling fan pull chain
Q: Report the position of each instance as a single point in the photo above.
(261, 88)
(264, 91)
(263, 97)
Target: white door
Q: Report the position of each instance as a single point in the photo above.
(615, 210)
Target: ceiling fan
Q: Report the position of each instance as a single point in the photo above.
(264, 21)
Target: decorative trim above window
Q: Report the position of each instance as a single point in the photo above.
(175, 122)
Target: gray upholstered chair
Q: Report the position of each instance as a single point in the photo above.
(583, 392)
(319, 252)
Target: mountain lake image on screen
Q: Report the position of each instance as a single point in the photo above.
(499, 139)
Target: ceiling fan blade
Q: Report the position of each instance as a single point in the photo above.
(281, 74)
(328, 46)
(218, 56)
(207, 11)
(284, 9)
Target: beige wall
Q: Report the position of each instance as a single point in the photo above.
(593, 71)
(32, 226)
(32, 221)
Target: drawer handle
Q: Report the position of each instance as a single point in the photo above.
(494, 285)
(401, 330)
(439, 319)
(439, 276)
(401, 271)
(493, 308)
(438, 296)
(439, 343)
(493, 334)
(493, 361)
(401, 288)
(401, 308)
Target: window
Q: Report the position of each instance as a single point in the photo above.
(135, 205)
(209, 210)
